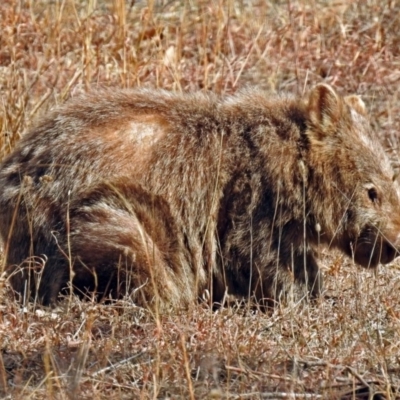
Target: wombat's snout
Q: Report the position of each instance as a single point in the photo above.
(389, 252)
(392, 250)
(372, 249)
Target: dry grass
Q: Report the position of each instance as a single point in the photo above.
(345, 346)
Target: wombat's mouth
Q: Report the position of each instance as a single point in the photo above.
(369, 253)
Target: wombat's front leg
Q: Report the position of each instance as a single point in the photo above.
(307, 272)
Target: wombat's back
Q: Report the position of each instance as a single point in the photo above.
(91, 138)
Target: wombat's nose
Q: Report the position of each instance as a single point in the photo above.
(390, 250)
(396, 245)
(389, 253)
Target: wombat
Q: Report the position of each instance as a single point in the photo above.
(164, 196)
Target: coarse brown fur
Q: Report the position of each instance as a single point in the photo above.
(165, 195)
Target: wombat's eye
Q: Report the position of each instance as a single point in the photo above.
(373, 194)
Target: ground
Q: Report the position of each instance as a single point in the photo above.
(346, 345)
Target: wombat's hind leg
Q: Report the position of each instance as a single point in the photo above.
(38, 278)
(53, 280)
(123, 240)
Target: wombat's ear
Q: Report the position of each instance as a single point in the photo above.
(356, 104)
(324, 106)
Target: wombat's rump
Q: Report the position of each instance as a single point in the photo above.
(165, 195)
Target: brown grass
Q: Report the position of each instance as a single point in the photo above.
(346, 345)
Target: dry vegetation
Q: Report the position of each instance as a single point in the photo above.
(347, 344)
